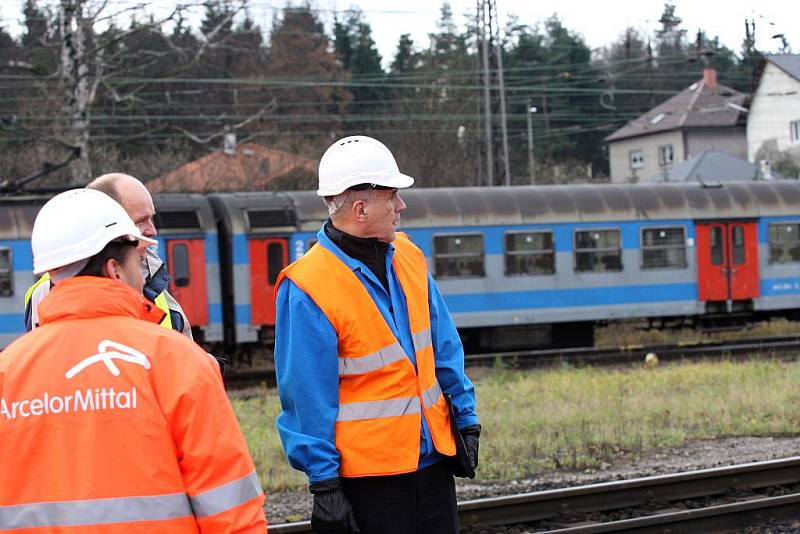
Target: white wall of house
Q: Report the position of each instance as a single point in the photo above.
(649, 146)
(775, 106)
(731, 140)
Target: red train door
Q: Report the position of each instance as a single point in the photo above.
(186, 263)
(267, 258)
(727, 261)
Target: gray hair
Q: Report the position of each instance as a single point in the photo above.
(347, 198)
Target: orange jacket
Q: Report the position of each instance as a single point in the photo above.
(381, 396)
(111, 424)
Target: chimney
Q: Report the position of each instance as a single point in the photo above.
(766, 169)
(229, 143)
(710, 77)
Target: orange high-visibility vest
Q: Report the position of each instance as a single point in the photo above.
(381, 396)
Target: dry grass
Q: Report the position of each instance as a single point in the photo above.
(574, 418)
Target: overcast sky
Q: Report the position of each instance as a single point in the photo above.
(600, 22)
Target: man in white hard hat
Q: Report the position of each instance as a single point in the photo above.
(111, 423)
(367, 357)
(137, 202)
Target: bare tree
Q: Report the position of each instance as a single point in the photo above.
(98, 62)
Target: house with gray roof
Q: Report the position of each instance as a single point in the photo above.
(773, 125)
(715, 167)
(704, 116)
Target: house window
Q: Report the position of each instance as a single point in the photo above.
(637, 159)
(458, 256)
(530, 253)
(784, 243)
(598, 251)
(794, 126)
(663, 248)
(666, 156)
(6, 272)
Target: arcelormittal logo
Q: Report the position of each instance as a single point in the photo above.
(107, 352)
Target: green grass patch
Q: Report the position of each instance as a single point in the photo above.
(578, 417)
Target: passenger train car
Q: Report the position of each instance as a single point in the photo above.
(518, 266)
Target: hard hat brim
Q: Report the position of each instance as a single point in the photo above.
(396, 181)
(142, 239)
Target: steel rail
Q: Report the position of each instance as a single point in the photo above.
(591, 356)
(544, 505)
(718, 519)
(636, 353)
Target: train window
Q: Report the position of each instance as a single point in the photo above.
(738, 245)
(717, 254)
(180, 265)
(598, 251)
(784, 243)
(167, 220)
(270, 217)
(530, 253)
(6, 273)
(663, 248)
(274, 262)
(458, 256)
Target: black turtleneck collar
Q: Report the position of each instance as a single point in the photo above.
(367, 250)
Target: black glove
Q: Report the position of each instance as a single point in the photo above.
(471, 436)
(466, 459)
(332, 512)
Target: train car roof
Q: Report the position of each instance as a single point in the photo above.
(253, 212)
(477, 206)
(17, 214)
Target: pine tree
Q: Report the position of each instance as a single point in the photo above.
(313, 109)
(359, 55)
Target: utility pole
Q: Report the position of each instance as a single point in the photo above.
(483, 24)
(529, 111)
(489, 36)
(498, 48)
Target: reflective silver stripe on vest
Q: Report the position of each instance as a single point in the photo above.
(431, 395)
(227, 496)
(95, 511)
(371, 362)
(355, 411)
(422, 339)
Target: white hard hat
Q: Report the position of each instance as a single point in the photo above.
(357, 160)
(76, 225)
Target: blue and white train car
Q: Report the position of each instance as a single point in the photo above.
(16, 262)
(518, 266)
(509, 259)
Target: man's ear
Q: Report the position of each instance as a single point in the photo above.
(360, 210)
(111, 269)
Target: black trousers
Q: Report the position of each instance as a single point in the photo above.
(423, 502)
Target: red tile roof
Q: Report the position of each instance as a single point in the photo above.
(250, 168)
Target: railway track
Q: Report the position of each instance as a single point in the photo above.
(666, 503)
(588, 356)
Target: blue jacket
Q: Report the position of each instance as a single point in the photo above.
(306, 364)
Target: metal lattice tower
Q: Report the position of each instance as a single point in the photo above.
(491, 75)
